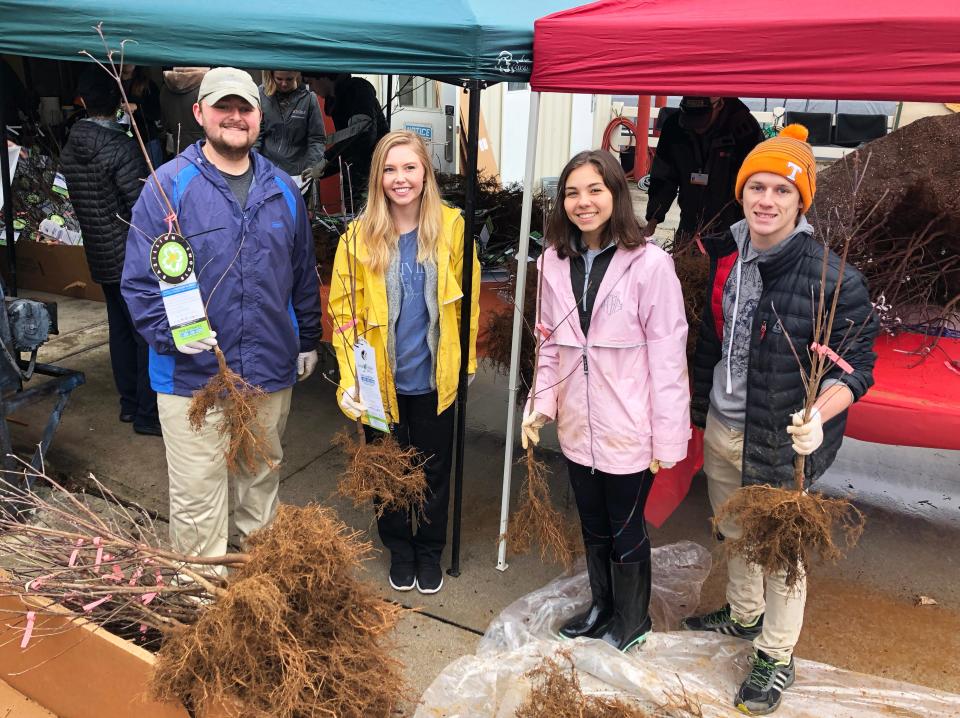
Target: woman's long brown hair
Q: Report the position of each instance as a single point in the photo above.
(622, 228)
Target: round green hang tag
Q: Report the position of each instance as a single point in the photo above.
(171, 258)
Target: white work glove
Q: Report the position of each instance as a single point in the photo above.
(201, 345)
(530, 428)
(807, 437)
(351, 407)
(306, 363)
(657, 464)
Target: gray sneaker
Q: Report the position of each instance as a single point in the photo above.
(723, 621)
(761, 692)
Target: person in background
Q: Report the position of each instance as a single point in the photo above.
(407, 252)
(257, 278)
(748, 392)
(612, 372)
(360, 123)
(144, 99)
(177, 98)
(700, 149)
(105, 170)
(292, 134)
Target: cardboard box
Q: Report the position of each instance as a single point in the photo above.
(74, 669)
(55, 268)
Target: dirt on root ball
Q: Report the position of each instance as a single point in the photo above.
(900, 194)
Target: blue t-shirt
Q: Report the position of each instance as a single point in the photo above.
(414, 363)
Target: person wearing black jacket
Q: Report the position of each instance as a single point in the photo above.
(748, 391)
(104, 170)
(359, 121)
(291, 133)
(699, 151)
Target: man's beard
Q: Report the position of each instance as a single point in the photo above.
(230, 152)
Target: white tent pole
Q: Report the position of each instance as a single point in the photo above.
(522, 251)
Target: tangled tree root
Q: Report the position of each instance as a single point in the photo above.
(240, 401)
(296, 636)
(537, 521)
(693, 271)
(498, 333)
(557, 694)
(787, 530)
(382, 473)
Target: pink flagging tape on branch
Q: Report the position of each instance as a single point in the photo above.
(75, 553)
(93, 604)
(116, 575)
(36, 583)
(347, 327)
(98, 542)
(170, 219)
(136, 576)
(147, 597)
(826, 351)
(28, 630)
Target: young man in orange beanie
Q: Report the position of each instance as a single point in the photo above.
(748, 391)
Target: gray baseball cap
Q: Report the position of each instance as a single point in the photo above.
(221, 82)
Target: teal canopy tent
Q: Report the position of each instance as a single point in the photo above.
(489, 40)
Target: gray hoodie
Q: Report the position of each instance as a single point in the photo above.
(179, 92)
(741, 295)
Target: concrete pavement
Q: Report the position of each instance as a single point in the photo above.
(860, 613)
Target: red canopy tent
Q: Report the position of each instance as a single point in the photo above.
(847, 49)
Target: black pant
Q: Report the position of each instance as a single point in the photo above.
(611, 510)
(432, 436)
(129, 358)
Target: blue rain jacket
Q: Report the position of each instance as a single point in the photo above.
(266, 306)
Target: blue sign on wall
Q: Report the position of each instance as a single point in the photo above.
(425, 131)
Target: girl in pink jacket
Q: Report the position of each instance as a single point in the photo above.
(612, 373)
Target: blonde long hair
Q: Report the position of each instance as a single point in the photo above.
(376, 223)
(270, 85)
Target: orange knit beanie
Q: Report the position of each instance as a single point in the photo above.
(788, 155)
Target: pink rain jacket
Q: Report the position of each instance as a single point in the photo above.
(620, 398)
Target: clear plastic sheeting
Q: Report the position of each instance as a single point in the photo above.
(706, 668)
(679, 571)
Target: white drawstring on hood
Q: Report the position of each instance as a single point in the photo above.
(733, 324)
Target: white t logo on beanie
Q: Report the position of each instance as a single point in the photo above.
(796, 169)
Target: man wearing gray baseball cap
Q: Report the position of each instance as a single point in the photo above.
(253, 253)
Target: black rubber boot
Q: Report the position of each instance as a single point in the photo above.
(631, 602)
(594, 620)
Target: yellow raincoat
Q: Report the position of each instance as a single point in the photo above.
(372, 313)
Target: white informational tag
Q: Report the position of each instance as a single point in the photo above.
(366, 362)
(171, 259)
(184, 308)
(699, 178)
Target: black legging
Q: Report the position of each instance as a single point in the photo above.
(611, 510)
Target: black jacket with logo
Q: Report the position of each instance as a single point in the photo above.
(718, 153)
(774, 386)
(104, 169)
(292, 138)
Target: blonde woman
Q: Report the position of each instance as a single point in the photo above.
(397, 279)
(291, 133)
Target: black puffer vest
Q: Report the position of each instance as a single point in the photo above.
(774, 386)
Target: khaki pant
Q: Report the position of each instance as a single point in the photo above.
(783, 607)
(199, 478)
